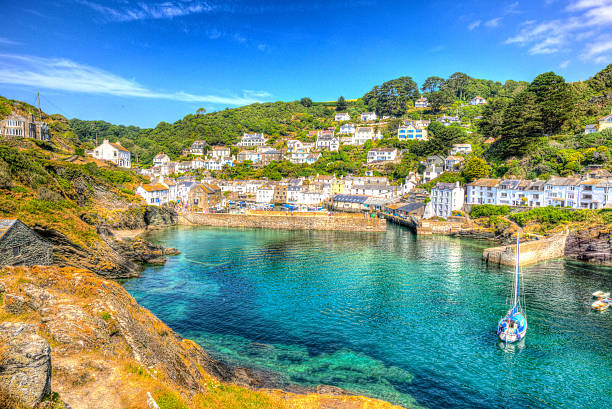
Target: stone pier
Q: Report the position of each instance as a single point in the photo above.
(290, 221)
(531, 251)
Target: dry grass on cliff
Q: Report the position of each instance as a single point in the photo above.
(8, 401)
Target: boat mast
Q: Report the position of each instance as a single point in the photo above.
(517, 273)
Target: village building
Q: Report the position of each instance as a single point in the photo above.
(477, 101)
(154, 194)
(161, 159)
(220, 152)
(349, 203)
(461, 149)
(197, 148)
(403, 209)
(363, 134)
(22, 246)
(204, 197)
(252, 139)
(453, 163)
(253, 156)
(449, 120)
(411, 132)
(386, 191)
(368, 116)
(605, 122)
(347, 129)
(421, 103)
(446, 198)
(327, 141)
(381, 155)
(482, 191)
(265, 194)
(18, 126)
(591, 129)
(342, 117)
(280, 194)
(114, 153)
(182, 190)
(434, 167)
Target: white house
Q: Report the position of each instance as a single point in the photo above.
(382, 155)
(386, 191)
(482, 191)
(220, 152)
(445, 198)
(327, 140)
(562, 192)
(155, 194)
(197, 148)
(342, 117)
(605, 122)
(478, 101)
(347, 129)
(252, 139)
(161, 159)
(182, 190)
(363, 134)
(265, 194)
(368, 116)
(452, 163)
(113, 152)
(449, 120)
(293, 145)
(461, 149)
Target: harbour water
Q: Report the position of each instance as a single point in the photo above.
(407, 319)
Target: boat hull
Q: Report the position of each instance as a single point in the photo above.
(513, 327)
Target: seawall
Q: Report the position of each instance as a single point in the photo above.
(280, 220)
(531, 251)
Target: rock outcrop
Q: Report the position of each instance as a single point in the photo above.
(25, 363)
(156, 216)
(592, 245)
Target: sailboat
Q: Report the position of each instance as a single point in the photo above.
(513, 326)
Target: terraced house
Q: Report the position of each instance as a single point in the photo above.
(18, 126)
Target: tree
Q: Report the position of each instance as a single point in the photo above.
(438, 99)
(457, 85)
(432, 84)
(492, 121)
(475, 168)
(554, 99)
(522, 126)
(341, 104)
(392, 97)
(200, 111)
(307, 102)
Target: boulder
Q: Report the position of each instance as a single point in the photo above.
(25, 363)
(155, 216)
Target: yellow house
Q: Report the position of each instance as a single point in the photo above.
(605, 122)
(336, 187)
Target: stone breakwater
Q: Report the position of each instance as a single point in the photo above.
(283, 221)
(531, 251)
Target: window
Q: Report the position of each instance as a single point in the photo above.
(16, 251)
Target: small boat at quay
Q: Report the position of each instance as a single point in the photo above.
(513, 326)
(603, 301)
(601, 294)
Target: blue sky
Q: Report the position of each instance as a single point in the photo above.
(142, 62)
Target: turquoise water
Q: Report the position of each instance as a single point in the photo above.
(389, 315)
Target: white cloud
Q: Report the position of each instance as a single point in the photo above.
(4, 40)
(494, 22)
(584, 20)
(512, 8)
(599, 49)
(143, 11)
(66, 75)
(564, 64)
(474, 25)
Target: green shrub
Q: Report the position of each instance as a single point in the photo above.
(551, 216)
(486, 210)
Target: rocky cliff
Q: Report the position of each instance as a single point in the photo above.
(593, 245)
(106, 351)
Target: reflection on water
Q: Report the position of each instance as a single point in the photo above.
(406, 319)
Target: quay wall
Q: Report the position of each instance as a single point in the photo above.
(284, 221)
(531, 251)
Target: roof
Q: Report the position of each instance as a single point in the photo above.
(117, 146)
(462, 145)
(160, 155)
(383, 150)
(485, 182)
(6, 225)
(560, 181)
(350, 198)
(605, 117)
(376, 201)
(592, 126)
(410, 207)
(442, 185)
(154, 188)
(459, 158)
(220, 148)
(373, 186)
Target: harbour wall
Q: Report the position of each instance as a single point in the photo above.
(531, 251)
(281, 220)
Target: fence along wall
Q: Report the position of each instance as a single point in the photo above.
(283, 221)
